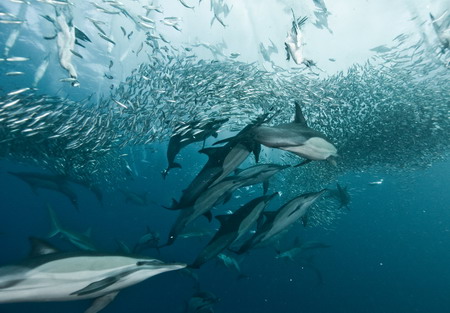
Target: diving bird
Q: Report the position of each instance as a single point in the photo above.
(50, 275)
(441, 26)
(294, 42)
(297, 137)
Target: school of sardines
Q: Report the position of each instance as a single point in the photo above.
(292, 127)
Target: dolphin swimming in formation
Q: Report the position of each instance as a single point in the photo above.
(50, 275)
(187, 133)
(280, 220)
(298, 247)
(46, 181)
(81, 241)
(221, 162)
(260, 173)
(297, 137)
(342, 194)
(232, 228)
(221, 191)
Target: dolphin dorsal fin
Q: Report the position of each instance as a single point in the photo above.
(298, 117)
(40, 247)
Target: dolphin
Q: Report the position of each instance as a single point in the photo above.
(187, 133)
(81, 241)
(139, 199)
(298, 138)
(202, 206)
(201, 302)
(46, 181)
(50, 275)
(232, 228)
(88, 185)
(221, 162)
(343, 196)
(282, 219)
(149, 240)
(298, 247)
(210, 197)
(260, 173)
(229, 262)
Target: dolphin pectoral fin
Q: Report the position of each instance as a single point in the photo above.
(305, 220)
(100, 303)
(174, 205)
(208, 151)
(208, 215)
(227, 197)
(176, 165)
(223, 218)
(303, 163)
(265, 187)
(222, 141)
(256, 151)
(97, 286)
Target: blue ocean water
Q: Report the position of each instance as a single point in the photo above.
(385, 108)
(389, 253)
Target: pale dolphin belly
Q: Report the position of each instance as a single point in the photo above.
(314, 149)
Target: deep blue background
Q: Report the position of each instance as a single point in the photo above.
(389, 253)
